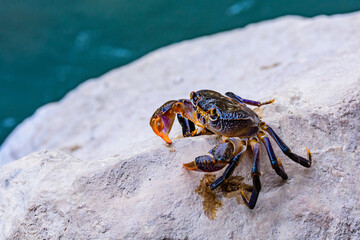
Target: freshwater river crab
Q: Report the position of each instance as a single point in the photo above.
(240, 127)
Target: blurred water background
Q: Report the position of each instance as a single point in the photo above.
(49, 47)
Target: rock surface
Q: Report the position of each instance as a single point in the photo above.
(123, 182)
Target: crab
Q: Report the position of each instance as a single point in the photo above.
(240, 127)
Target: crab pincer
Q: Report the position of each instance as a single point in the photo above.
(163, 118)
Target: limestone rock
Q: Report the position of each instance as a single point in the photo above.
(122, 182)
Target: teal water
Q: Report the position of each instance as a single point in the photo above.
(49, 47)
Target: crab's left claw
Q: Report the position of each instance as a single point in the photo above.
(163, 119)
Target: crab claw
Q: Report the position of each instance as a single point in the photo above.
(191, 165)
(163, 119)
(205, 163)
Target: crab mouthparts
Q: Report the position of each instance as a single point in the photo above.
(161, 127)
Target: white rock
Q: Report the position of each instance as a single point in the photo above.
(141, 191)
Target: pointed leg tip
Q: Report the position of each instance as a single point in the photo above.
(243, 196)
(281, 172)
(245, 201)
(309, 156)
(265, 103)
(208, 183)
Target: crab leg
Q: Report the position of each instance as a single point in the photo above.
(275, 162)
(255, 175)
(228, 171)
(286, 150)
(246, 101)
(188, 127)
(163, 118)
(241, 148)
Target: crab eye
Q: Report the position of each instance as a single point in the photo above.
(193, 97)
(213, 114)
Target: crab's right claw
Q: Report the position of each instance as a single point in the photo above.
(205, 163)
(163, 119)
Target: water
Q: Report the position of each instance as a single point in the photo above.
(49, 47)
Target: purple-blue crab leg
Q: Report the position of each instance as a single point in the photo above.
(275, 162)
(229, 170)
(246, 101)
(255, 175)
(188, 127)
(286, 150)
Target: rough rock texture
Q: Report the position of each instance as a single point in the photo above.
(125, 183)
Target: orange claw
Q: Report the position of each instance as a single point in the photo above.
(159, 129)
(163, 119)
(191, 166)
(166, 138)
